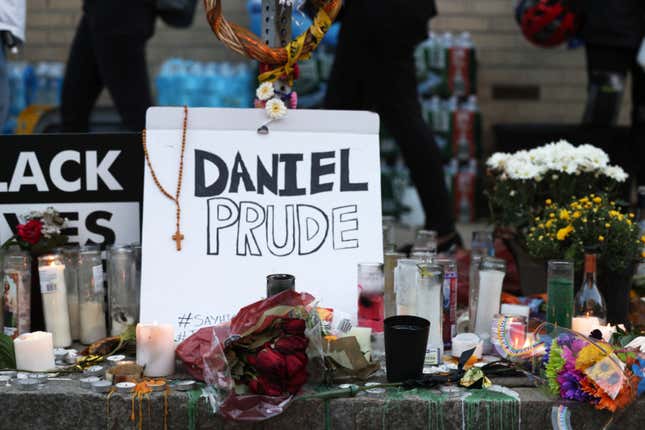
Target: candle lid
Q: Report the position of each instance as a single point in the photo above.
(186, 385)
(42, 378)
(71, 356)
(94, 371)
(113, 359)
(60, 353)
(87, 382)
(27, 384)
(156, 385)
(125, 387)
(101, 386)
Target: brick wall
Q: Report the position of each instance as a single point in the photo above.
(504, 56)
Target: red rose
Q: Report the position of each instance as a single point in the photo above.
(271, 363)
(296, 363)
(262, 385)
(297, 381)
(294, 326)
(31, 231)
(291, 344)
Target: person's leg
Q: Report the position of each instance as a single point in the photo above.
(396, 101)
(82, 84)
(638, 121)
(4, 89)
(606, 70)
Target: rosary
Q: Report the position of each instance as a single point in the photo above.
(178, 236)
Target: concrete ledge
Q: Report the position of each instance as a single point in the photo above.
(64, 405)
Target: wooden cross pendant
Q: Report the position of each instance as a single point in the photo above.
(178, 237)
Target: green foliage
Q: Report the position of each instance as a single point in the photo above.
(7, 354)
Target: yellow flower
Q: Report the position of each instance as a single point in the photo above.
(541, 237)
(551, 215)
(564, 232)
(614, 213)
(601, 238)
(532, 228)
(541, 225)
(576, 214)
(628, 222)
(643, 238)
(584, 220)
(592, 353)
(607, 225)
(631, 215)
(548, 202)
(536, 219)
(597, 200)
(564, 214)
(612, 203)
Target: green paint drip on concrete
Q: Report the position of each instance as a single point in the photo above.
(484, 409)
(433, 400)
(193, 400)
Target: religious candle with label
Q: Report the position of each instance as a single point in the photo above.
(370, 296)
(15, 292)
(70, 257)
(123, 288)
(559, 305)
(391, 259)
(54, 291)
(156, 349)
(491, 277)
(92, 295)
(430, 307)
(405, 286)
(34, 351)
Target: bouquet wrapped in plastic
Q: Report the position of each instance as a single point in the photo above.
(576, 367)
(260, 360)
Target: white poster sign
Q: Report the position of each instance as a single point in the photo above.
(304, 199)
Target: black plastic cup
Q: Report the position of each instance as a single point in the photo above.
(278, 283)
(406, 338)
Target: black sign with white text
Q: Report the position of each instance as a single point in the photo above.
(94, 180)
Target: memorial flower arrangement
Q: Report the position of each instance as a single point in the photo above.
(593, 371)
(593, 221)
(39, 232)
(520, 182)
(256, 364)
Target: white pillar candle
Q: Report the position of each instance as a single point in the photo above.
(156, 349)
(488, 301)
(34, 351)
(363, 336)
(54, 292)
(585, 324)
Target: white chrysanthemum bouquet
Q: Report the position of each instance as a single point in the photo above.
(520, 182)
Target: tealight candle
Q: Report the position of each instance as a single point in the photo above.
(156, 385)
(125, 387)
(34, 351)
(184, 385)
(87, 382)
(156, 349)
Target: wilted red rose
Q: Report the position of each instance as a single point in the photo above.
(291, 344)
(262, 385)
(31, 231)
(294, 326)
(271, 363)
(297, 381)
(296, 363)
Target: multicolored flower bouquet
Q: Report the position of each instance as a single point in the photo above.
(40, 232)
(257, 362)
(520, 182)
(592, 371)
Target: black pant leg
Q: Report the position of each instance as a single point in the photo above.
(398, 105)
(638, 121)
(122, 64)
(82, 83)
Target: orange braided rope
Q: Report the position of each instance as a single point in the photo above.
(244, 42)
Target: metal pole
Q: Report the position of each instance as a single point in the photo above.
(276, 31)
